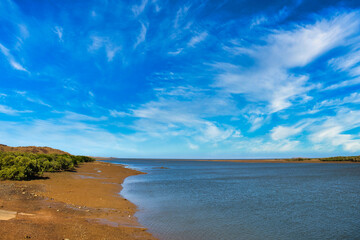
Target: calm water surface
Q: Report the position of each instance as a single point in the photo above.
(223, 200)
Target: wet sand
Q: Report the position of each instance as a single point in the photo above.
(70, 205)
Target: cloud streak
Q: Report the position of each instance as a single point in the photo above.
(270, 79)
(10, 58)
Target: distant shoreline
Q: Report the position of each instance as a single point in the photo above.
(285, 160)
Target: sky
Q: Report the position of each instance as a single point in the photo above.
(181, 79)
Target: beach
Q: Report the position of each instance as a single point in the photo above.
(83, 204)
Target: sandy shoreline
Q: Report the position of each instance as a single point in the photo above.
(71, 205)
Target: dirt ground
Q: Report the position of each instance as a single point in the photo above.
(70, 205)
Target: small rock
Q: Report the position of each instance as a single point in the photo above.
(58, 210)
(23, 192)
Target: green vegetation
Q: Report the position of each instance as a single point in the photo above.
(297, 159)
(329, 159)
(26, 166)
(338, 159)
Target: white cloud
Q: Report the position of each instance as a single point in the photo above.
(111, 52)
(197, 39)
(23, 31)
(353, 98)
(193, 146)
(30, 98)
(333, 130)
(270, 79)
(343, 84)
(349, 63)
(67, 115)
(258, 20)
(11, 59)
(156, 5)
(142, 35)
(181, 111)
(115, 113)
(138, 9)
(99, 42)
(213, 133)
(259, 145)
(180, 15)
(176, 52)
(281, 132)
(38, 101)
(59, 32)
(256, 121)
(10, 111)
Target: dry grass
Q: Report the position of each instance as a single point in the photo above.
(31, 149)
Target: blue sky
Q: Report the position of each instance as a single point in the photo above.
(197, 79)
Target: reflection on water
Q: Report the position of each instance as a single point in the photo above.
(218, 200)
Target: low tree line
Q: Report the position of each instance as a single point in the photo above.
(341, 158)
(330, 159)
(26, 166)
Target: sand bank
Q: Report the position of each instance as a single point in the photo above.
(70, 205)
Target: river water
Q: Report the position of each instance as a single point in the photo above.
(192, 200)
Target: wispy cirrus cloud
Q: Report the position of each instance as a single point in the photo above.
(326, 131)
(10, 58)
(101, 42)
(10, 111)
(181, 15)
(333, 130)
(138, 9)
(197, 39)
(176, 113)
(59, 32)
(349, 63)
(142, 35)
(283, 51)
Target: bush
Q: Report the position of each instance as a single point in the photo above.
(338, 159)
(26, 166)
